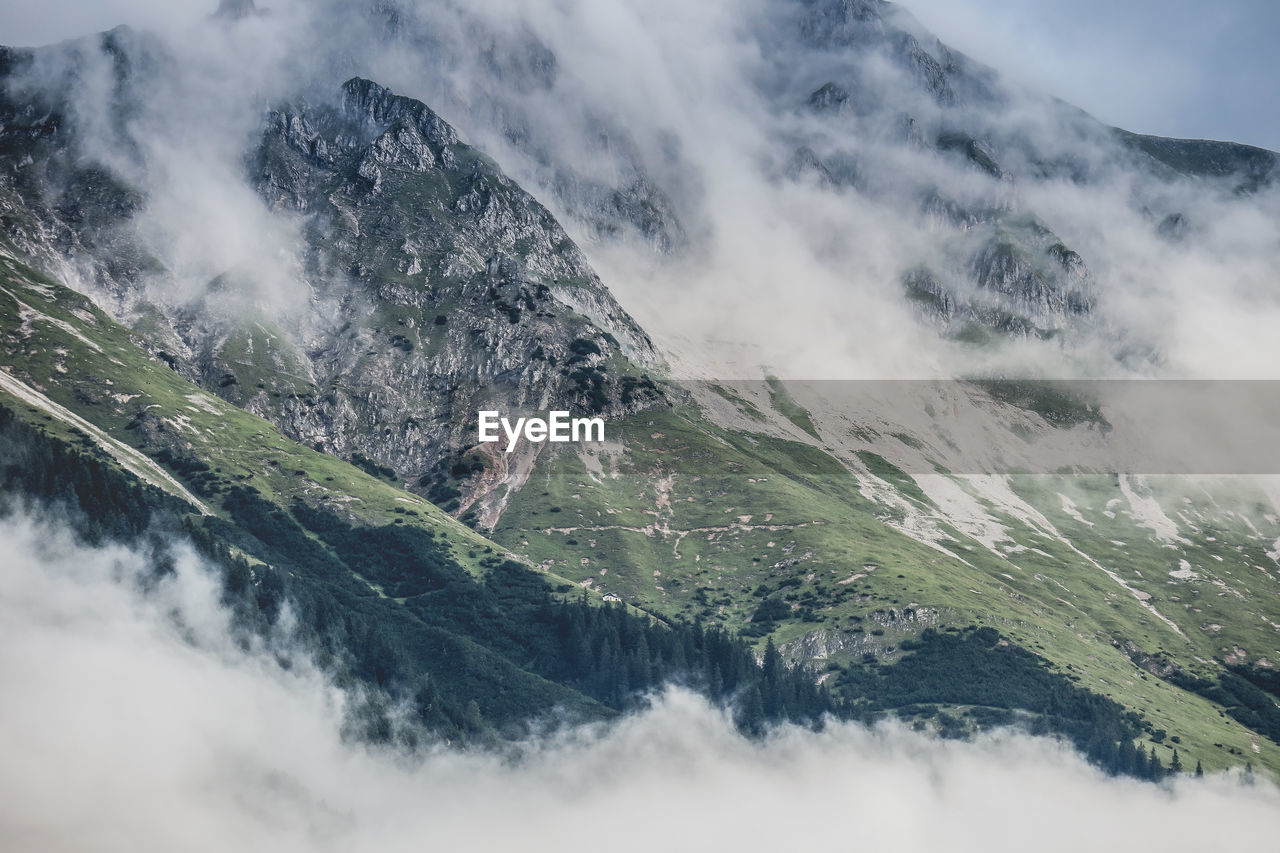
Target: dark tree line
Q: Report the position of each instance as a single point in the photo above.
(37, 467)
(1249, 694)
(974, 668)
(608, 653)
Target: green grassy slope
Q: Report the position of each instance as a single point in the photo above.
(777, 538)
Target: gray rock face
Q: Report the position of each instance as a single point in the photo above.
(444, 212)
(1248, 168)
(977, 153)
(59, 208)
(1017, 277)
(843, 22)
(831, 98)
(874, 25)
(455, 289)
(1045, 289)
(836, 171)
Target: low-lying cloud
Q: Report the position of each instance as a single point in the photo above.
(130, 720)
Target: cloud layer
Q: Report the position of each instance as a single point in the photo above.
(130, 721)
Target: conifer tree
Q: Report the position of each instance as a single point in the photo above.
(1155, 771)
(753, 718)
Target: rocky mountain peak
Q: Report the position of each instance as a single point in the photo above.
(379, 109)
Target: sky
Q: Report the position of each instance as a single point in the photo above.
(35, 22)
(1169, 67)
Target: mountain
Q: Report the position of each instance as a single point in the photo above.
(305, 408)
(857, 101)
